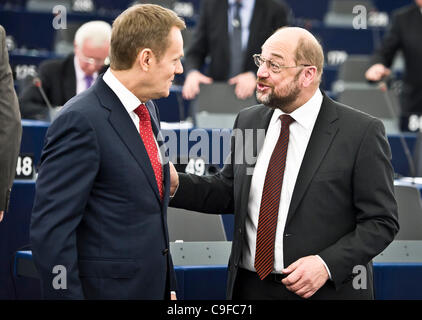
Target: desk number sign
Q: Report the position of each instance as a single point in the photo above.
(25, 167)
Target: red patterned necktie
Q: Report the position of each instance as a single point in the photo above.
(147, 136)
(268, 212)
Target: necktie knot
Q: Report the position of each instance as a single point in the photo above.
(286, 120)
(88, 80)
(142, 113)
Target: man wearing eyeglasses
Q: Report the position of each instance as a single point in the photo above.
(317, 202)
(61, 79)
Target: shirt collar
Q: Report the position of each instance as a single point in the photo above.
(80, 75)
(306, 114)
(127, 98)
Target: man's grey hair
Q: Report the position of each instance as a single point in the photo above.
(99, 32)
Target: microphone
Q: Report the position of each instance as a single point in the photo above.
(36, 81)
(382, 85)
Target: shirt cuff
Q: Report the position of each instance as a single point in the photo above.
(174, 193)
(325, 265)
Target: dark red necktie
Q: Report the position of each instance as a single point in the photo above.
(147, 136)
(268, 212)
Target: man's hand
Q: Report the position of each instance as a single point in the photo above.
(173, 296)
(377, 72)
(1, 215)
(245, 84)
(306, 276)
(192, 82)
(174, 179)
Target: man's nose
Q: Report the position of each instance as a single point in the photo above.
(262, 71)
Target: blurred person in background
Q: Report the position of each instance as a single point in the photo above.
(61, 79)
(230, 32)
(403, 34)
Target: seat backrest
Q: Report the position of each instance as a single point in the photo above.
(219, 97)
(216, 105)
(410, 212)
(47, 5)
(354, 68)
(194, 226)
(371, 100)
(346, 6)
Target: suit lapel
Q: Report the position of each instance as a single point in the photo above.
(322, 135)
(123, 125)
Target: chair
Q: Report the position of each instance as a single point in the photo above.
(47, 5)
(376, 102)
(410, 212)
(351, 73)
(340, 12)
(216, 105)
(194, 226)
(354, 68)
(63, 38)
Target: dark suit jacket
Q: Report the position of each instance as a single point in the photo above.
(97, 208)
(58, 80)
(343, 206)
(211, 37)
(404, 35)
(10, 125)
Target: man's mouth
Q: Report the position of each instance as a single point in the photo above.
(262, 86)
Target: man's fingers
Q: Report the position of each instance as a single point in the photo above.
(1, 215)
(205, 80)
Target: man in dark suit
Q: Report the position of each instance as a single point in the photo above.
(404, 35)
(215, 36)
(10, 127)
(61, 79)
(317, 202)
(99, 222)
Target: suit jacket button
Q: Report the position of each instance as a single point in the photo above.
(165, 251)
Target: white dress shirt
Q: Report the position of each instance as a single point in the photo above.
(300, 133)
(127, 98)
(80, 77)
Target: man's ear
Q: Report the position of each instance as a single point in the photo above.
(309, 75)
(145, 57)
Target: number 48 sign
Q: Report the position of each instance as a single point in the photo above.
(25, 167)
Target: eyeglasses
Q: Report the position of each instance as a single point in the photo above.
(97, 62)
(273, 66)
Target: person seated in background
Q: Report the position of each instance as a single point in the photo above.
(61, 79)
(230, 32)
(404, 35)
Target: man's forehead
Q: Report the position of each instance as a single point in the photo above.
(278, 49)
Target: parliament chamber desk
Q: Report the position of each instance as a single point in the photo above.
(397, 271)
(34, 132)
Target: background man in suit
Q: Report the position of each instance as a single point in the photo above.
(10, 127)
(404, 35)
(320, 200)
(102, 193)
(61, 79)
(229, 32)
